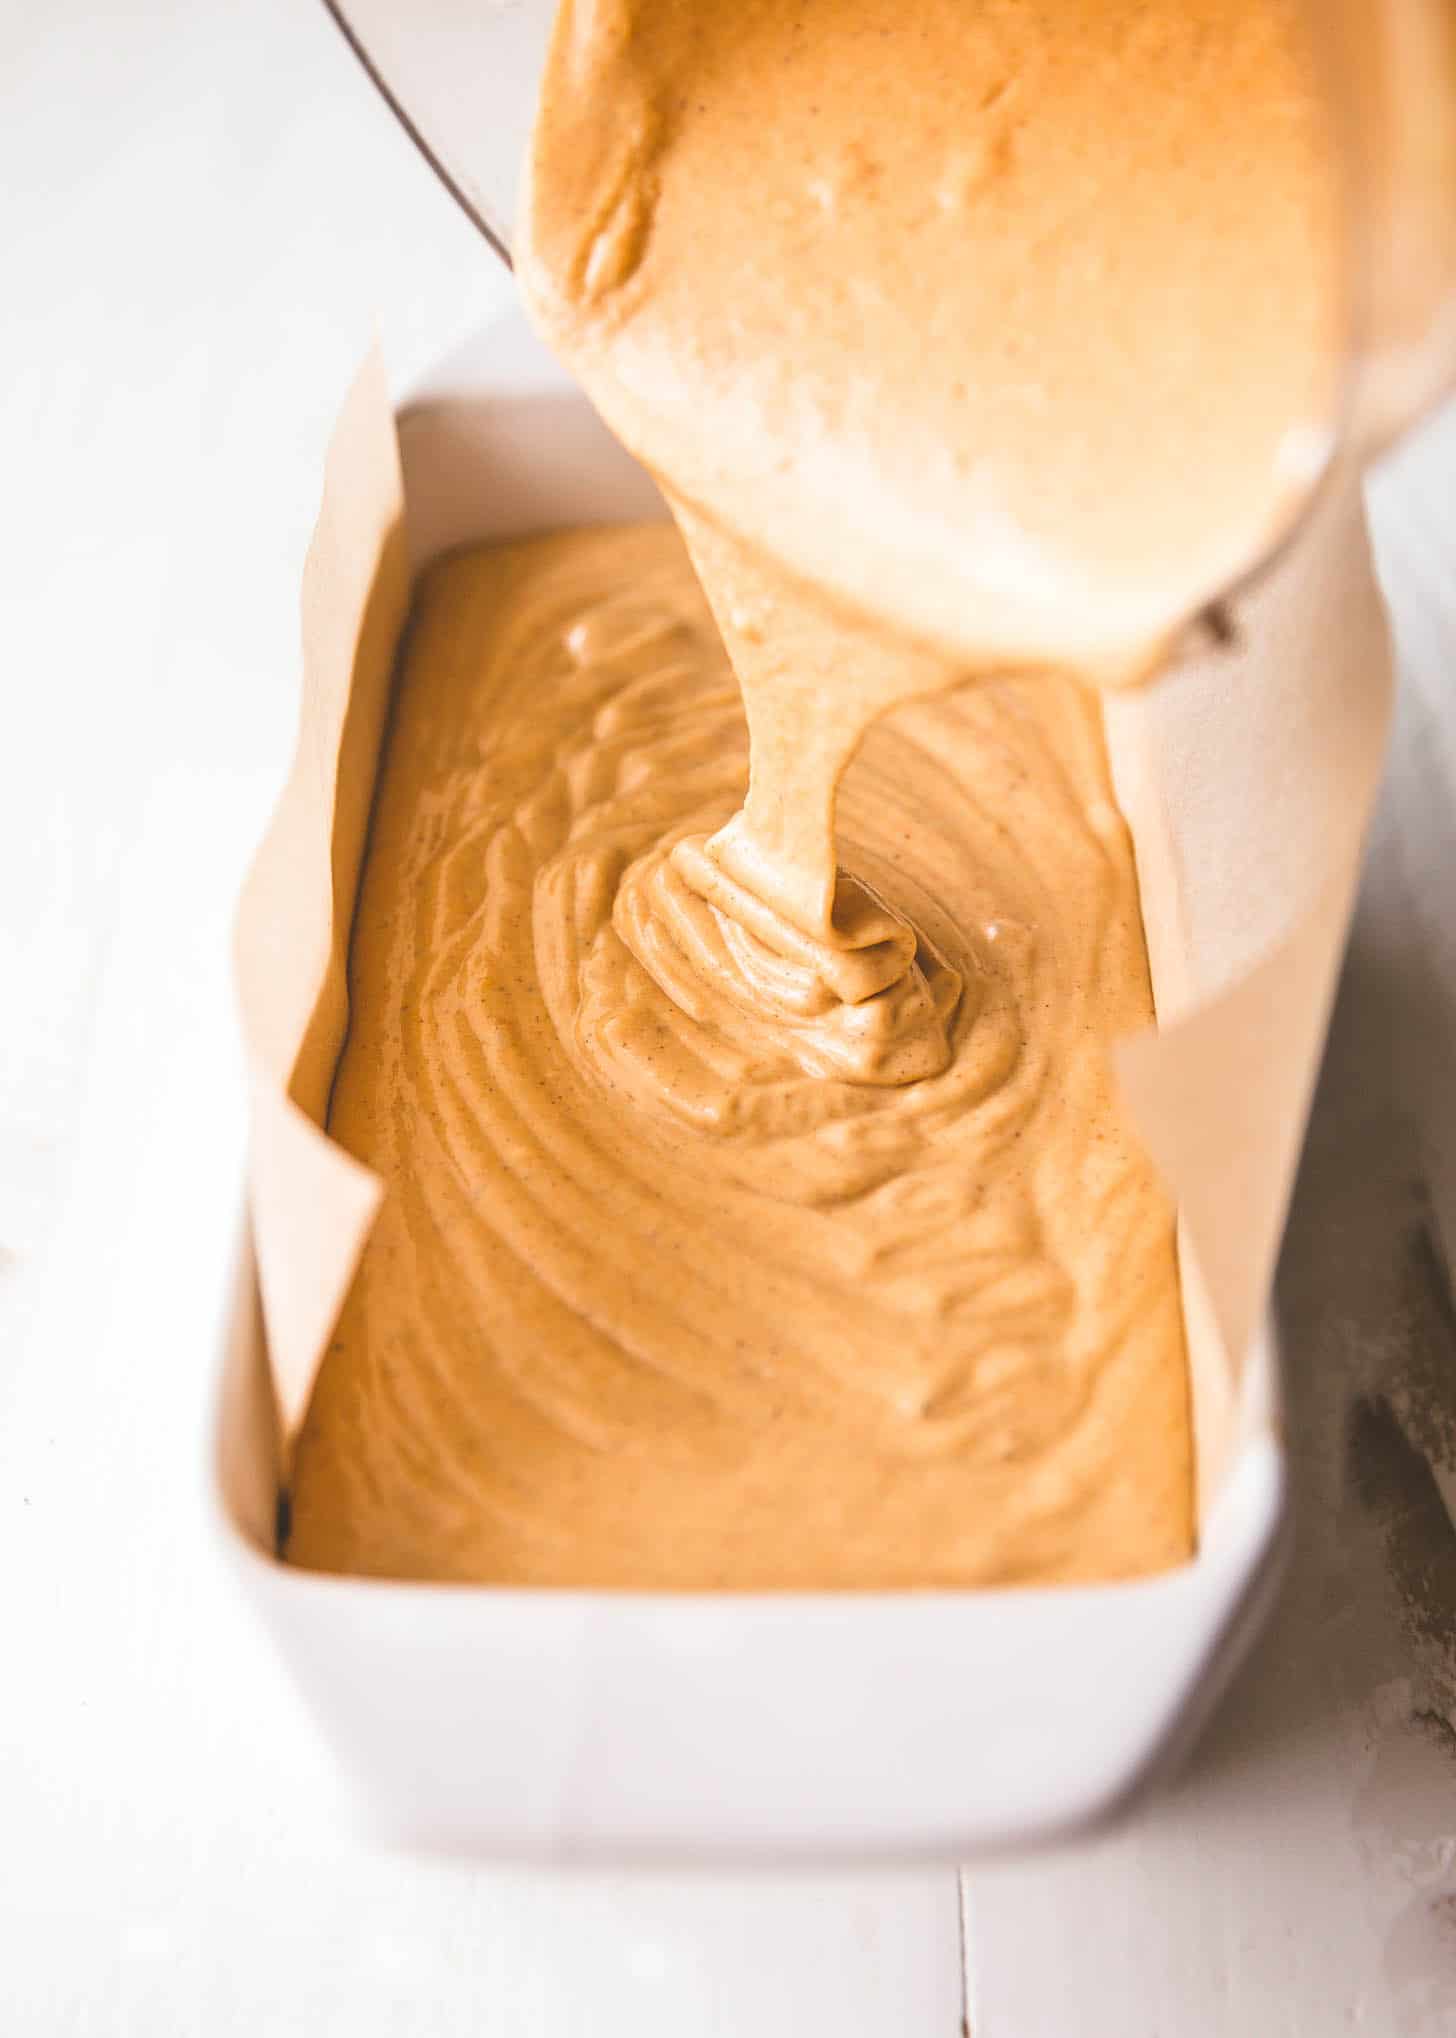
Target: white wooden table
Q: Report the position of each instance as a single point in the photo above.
(203, 211)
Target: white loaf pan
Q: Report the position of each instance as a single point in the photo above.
(712, 1729)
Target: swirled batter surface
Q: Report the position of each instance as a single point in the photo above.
(661, 1294)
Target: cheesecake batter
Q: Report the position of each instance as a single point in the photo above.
(762, 1212)
(662, 1294)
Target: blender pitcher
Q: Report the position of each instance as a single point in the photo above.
(462, 77)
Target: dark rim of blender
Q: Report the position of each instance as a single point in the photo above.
(456, 190)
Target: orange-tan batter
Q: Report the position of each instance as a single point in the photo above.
(762, 1212)
(648, 1304)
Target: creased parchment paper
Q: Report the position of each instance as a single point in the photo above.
(1246, 777)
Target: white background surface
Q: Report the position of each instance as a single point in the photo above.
(203, 212)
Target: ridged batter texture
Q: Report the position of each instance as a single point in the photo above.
(660, 1296)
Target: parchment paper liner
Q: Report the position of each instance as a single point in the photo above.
(1246, 777)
